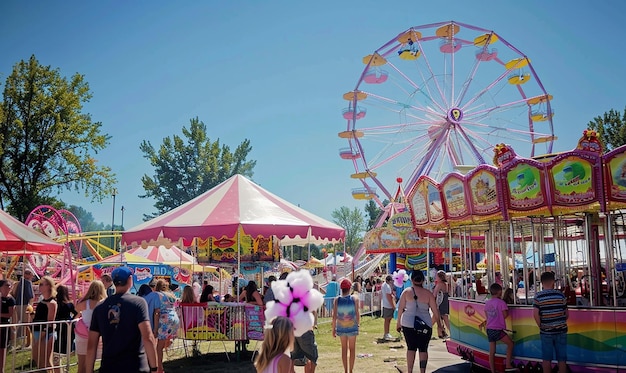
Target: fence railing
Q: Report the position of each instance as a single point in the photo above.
(22, 350)
(370, 303)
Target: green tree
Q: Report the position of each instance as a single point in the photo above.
(85, 219)
(48, 143)
(354, 224)
(611, 128)
(372, 211)
(186, 168)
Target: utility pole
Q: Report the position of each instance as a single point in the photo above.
(122, 227)
(114, 193)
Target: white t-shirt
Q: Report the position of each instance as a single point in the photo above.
(386, 290)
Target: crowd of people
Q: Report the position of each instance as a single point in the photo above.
(127, 330)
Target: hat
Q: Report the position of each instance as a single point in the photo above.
(120, 275)
(417, 276)
(345, 284)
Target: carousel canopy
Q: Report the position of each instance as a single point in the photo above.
(16, 237)
(161, 254)
(236, 202)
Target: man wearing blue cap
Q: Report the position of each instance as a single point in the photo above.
(122, 320)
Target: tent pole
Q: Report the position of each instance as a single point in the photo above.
(309, 242)
(238, 260)
(428, 261)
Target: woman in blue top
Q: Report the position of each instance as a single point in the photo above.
(346, 320)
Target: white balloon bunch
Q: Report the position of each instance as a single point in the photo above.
(399, 277)
(296, 299)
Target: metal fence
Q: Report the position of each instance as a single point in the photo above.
(21, 348)
(370, 302)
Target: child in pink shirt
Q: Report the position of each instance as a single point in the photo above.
(496, 312)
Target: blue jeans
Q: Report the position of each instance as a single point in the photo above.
(552, 344)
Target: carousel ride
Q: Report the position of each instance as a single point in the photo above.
(460, 119)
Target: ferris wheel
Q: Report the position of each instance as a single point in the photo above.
(56, 224)
(436, 99)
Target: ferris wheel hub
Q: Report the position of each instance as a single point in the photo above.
(455, 115)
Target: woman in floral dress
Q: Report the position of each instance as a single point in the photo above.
(166, 322)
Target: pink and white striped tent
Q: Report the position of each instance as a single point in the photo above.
(236, 202)
(162, 254)
(18, 238)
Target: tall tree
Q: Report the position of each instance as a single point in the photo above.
(611, 128)
(85, 219)
(372, 211)
(48, 143)
(354, 224)
(186, 167)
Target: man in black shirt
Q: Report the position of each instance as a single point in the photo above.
(128, 344)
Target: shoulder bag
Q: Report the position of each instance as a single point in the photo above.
(420, 325)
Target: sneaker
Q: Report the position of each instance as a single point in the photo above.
(300, 362)
(389, 337)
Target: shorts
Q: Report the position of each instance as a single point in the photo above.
(387, 313)
(554, 344)
(416, 341)
(52, 335)
(494, 335)
(347, 334)
(305, 346)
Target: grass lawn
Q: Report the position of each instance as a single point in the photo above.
(376, 358)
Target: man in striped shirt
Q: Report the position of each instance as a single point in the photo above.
(550, 312)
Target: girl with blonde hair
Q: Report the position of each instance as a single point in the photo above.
(44, 334)
(277, 342)
(94, 296)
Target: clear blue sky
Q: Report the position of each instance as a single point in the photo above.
(275, 72)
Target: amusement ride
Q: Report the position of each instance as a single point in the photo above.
(459, 118)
